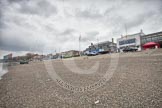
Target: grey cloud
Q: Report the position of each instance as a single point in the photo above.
(8, 21)
(118, 16)
(60, 36)
(13, 19)
(14, 40)
(2, 24)
(43, 8)
(92, 33)
(90, 36)
(1, 18)
(1, 21)
(50, 28)
(67, 32)
(142, 18)
(66, 35)
(18, 44)
(13, 1)
(92, 14)
(139, 19)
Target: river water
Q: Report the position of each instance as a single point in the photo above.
(3, 69)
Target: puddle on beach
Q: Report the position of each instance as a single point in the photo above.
(3, 69)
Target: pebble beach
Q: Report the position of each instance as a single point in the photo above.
(136, 83)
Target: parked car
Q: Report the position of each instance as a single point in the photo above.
(93, 53)
(130, 49)
(24, 62)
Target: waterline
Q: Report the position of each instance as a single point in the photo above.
(3, 69)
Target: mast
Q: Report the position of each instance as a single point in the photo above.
(79, 44)
(126, 29)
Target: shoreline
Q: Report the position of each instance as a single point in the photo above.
(3, 69)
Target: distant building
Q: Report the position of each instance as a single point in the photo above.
(49, 56)
(30, 56)
(38, 57)
(57, 56)
(133, 40)
(102, 47)
(71, 53)
(15, 58)
(8, 57)
(153, 37)
(1, 60)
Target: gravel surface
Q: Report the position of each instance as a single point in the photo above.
(136, 82)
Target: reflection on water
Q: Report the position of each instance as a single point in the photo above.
(3, 69)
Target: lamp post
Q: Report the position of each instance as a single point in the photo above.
(79, 44)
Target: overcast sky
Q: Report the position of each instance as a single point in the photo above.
(46, 26)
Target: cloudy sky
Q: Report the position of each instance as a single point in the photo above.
(46, 26)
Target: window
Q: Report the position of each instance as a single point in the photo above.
(148, 39)
(155, 39)
(121, 42)
(160, 38)
(129, 41)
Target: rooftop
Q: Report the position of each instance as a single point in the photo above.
(154, 33)
(135, 34)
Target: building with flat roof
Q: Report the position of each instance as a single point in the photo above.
(133, 40)
(153, 37)
(102, 47)
(71, 53)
